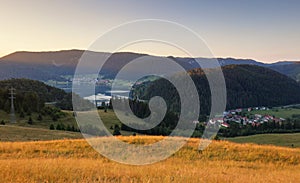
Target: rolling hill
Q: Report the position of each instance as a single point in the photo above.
(247, 86)
(44, 66)
(292, 70)
(31, 93)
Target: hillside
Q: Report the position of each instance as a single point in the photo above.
(55, 65)
(41, 66)
(40, 129)
(292, 70)
(76, 161)
(247, 86)
(45, 66)
(285, 140)
(21, 134)
(257, 86)
(46, 92)
(33, 94)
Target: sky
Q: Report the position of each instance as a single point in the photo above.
(265, 30)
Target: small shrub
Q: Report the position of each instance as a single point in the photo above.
(69, 128)
(2, 122)
(58, 127)
(30, 121)
(116, 131)
(52, 127)
(62, 126)
(40, 118)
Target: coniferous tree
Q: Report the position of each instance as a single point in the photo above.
(58, 127)
(30, 121)
(116, 131)
(40, 118)
(52, 127)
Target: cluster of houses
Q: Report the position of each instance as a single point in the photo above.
(243, 117)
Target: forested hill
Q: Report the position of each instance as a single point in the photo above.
(292, 70)
(56, 65)
(33, 94)
(247, 86)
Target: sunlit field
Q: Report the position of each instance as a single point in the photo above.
(76, 161)
(286, 140)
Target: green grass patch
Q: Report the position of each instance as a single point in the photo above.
(39, 130)
(18, 133)
(278, 112)
(285, 140)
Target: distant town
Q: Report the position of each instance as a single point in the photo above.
(244, 117)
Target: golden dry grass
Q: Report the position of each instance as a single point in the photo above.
(76, 161)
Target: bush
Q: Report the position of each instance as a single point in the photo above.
(2, 122)
(52, 127)
(62, 126)
(58, 127)
(40, 118)
(30, 121)
(69, 128)
(116, 130)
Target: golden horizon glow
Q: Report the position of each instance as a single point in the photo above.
(249, 31)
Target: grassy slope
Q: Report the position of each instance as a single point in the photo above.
(280, 113)
(76, 161)
(22, 131)
(45, 123)
(18, 133)
(286, 140)
(109, 119)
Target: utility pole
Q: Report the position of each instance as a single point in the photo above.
(12, 107)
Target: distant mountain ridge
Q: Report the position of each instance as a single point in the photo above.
(53, 65)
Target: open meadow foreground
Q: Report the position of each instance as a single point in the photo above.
(150, 91)
(76, 161)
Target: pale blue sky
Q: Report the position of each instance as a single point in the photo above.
(266, 30)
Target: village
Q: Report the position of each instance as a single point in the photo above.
(245, 116)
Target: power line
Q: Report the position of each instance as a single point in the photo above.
(12, 107)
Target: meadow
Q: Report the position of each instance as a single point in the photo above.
(108, 118)
(285, 140)
(45, 123)
(33, 153)
(278, 112)
(76, 161)
(12, 133)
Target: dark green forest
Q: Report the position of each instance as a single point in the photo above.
(31, 95)
(247, 86)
